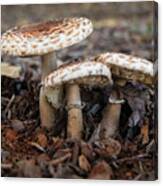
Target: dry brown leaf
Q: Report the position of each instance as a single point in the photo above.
(145, 133)
(10, 70)
(101, 170)
(17, 125)
(11, 135)
(108, 147)
(42, 140)
(87, 150)
(28, 168)
(84, 163)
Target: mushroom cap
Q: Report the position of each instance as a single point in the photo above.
(42, 38)
(86, 73)
(128, 66)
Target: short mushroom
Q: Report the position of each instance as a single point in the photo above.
(72, 75)
(125, 67)
(42, 39)
(128, 67)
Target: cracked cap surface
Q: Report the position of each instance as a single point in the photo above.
(42, 38)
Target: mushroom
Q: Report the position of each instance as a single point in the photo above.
(72, 75)
(125, 67)
(128, 67)
(42, 39)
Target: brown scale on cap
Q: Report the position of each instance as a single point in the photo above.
(45, 28)
(42, 38)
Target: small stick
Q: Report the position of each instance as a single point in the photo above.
(10, 102)
(132, 158)
(36, 145)
(61, 159)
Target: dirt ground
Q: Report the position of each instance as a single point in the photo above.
(31, 151)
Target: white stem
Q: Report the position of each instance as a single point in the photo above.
(47, 112)
(49, 63)
(75, 119)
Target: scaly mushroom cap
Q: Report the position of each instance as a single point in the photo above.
(128, 67)
(42, 38)
(85, 73)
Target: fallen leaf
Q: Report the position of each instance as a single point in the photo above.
(11, 135)
(101, 170)
(17, 125)
(42, 140)
(58, 142)
(145, 133)
(10, 70)
(84, 163)
(87, 150)
(108, 147)
(28, 168)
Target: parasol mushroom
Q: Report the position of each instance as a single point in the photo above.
(42, 39)
(72, 75)
(125, 67)
(128, 67)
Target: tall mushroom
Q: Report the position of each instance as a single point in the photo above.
(42, 39)
(125, 67)
(72, 75)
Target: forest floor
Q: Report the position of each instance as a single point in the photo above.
(30, 151)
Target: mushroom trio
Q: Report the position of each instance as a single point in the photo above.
(43, 39)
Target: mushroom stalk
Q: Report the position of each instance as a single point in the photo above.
(47, 112)
(111, 116)
(75, 120)
(49, 63)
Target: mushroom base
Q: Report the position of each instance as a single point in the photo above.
(110, 121)
(47, 112)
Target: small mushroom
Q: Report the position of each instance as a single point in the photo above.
(124, 67)
(42, 39)
(72, 75)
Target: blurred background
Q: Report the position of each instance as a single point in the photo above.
(121, 27)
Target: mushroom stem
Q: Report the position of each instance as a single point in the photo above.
(75, 120)
(47, 112)
(49, 63)
(111, 116)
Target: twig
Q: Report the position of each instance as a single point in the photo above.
(137, 157)
(39, 147)
(149, 146)
(10, 102)
(61, 159)
(138, 177)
